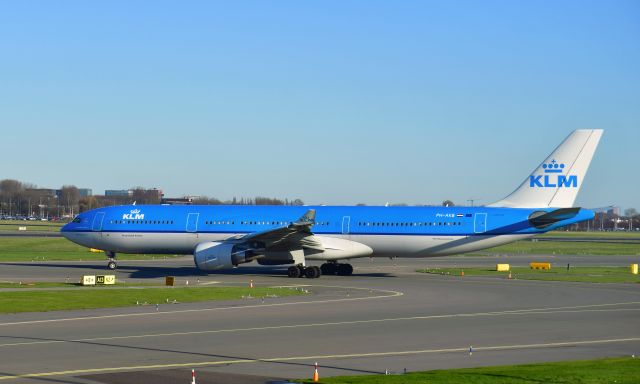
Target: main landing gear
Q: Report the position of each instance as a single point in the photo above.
(112, 265)
(333, 268)
(311, 272)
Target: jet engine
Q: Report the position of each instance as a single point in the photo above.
(213, 255)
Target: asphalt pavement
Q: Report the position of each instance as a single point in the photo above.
(386, 318)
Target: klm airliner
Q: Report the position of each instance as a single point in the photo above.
(222, 237)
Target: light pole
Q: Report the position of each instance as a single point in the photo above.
(472, 200)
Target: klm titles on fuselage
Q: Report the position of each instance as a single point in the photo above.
(553, 177)
(134, 215)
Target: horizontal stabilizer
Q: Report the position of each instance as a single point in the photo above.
(541, 219)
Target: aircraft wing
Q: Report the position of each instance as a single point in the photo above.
(296, 235)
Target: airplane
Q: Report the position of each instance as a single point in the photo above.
(224, 236)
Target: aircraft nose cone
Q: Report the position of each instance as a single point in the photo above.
(64, 231)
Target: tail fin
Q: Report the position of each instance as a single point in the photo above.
(556, 182)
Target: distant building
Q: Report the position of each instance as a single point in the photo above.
(177, 200)
(613, 212)
(118, 192)
(49, 192)
(85, 192)
(154, 193)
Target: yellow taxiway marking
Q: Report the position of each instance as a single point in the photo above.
(384, 294)
(558, 310)
(316, 357)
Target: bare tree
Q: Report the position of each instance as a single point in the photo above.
(69, 197)
(631, 215)
(10, 193)
(146, 196)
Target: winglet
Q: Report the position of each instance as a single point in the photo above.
(309, 218)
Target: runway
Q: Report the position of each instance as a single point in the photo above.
(385, 317)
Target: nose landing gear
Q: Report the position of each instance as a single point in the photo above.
(112, 265)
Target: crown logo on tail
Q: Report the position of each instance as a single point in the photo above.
(553, 167)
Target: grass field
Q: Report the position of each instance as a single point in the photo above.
(53, 249)
(595, 234)
(567, 248)
(575, 248)
(50, 284)
(556, 273)
(39, 226)
(616, 370)
(17, 249)
(110, 297)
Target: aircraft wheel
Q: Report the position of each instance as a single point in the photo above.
(303, 271)
(293, 271)
(345, 270)
(328, 268)
(313, 272)
(112, 265)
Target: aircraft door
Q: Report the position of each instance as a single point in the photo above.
(96, 225)
(346, 220)
(192, 222)
(480, 223)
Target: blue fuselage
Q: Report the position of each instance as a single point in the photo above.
(388, 231)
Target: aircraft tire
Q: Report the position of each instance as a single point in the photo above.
(329, 268)
(112, 265)
(313, 272)
(345, 270)
(293, 271)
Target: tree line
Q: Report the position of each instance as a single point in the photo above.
(20, 199)
(25, 199)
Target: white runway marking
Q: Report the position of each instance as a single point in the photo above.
(318, 357)
(559, 310)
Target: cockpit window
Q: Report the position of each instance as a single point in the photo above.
(76, 220)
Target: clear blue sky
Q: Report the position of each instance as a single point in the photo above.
(332, 102)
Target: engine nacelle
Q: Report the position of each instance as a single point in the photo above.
(213, 255)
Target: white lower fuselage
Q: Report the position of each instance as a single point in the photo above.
(380, 245)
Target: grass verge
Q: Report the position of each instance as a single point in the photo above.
(18, 249)
(50, 284)
(594, 234)
(567, 248)
(579, 274)
(613, 370)
(39, 226)
(110, 297)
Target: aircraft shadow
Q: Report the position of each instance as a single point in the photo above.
(154, 272)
